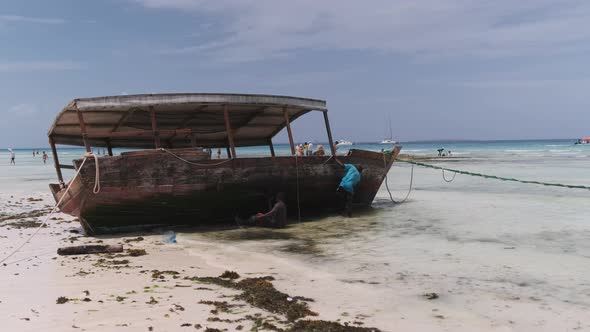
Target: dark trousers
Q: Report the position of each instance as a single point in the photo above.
(346, 201)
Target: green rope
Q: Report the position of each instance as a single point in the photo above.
(495, 177)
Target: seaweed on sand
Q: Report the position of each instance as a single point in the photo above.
(24, 224)
(230, 275)
(24, 215)
(260, 293)
(220, 306)
(136, 252)
(156, 274)
(323, 326)
(137, 239)
(112, 263)
(62, 300)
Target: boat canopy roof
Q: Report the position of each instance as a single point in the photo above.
(126, 121)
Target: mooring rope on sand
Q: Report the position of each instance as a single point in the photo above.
(387, 185)
(495, 177)
(445, 178)
(95, 190)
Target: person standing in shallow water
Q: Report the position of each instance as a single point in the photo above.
(12, 157)
(45, 157)
(348, 185)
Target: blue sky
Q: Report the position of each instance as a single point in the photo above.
(458, 69)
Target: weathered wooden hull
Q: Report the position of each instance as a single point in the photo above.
(154, 189)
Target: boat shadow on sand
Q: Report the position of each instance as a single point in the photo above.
(304, 237)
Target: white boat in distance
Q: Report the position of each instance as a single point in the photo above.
(389, 140)
(343, 142)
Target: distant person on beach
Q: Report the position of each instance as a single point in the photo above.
(218, 153)
(440, 152)
(348, 185)
(33, 153)
(335, 147)
(275, 218)
(45, 157)
(12, 157)
(320, 151)
(449, 153)
(310, 149)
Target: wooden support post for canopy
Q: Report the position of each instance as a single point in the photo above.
(332, 148)
(155, 128)
(83, 130)
(109, 147)
(288, 124)
(230, 135)
(228, 152)
(56, 161)
(272, 149)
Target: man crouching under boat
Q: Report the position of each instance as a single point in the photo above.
(347, 185)
(275, 218)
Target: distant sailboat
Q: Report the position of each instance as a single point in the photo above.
(389, 140)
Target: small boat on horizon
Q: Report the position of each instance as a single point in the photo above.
(343, 143)
(584, 140)
(170, 177)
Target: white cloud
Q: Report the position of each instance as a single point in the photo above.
(33, 66)
(259, 29)
(23, 110)
(26, 19)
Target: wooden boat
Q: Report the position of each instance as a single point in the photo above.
(171, 178)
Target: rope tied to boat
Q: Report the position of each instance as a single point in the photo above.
(495, 177)
(96, 188)
(193, 163)
(387, 185)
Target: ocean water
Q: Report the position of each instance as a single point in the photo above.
(30, 170)
(501, 255)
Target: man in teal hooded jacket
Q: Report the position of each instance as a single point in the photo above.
(348, 184)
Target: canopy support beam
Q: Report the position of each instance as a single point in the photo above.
(155, 128)
(56, 161)
(109, 147)
(272, 148)
(230, 135)
(288, 124)
(332, 147)
(124, 118)
(83, 130)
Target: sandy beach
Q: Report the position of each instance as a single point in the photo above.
(473, 254)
